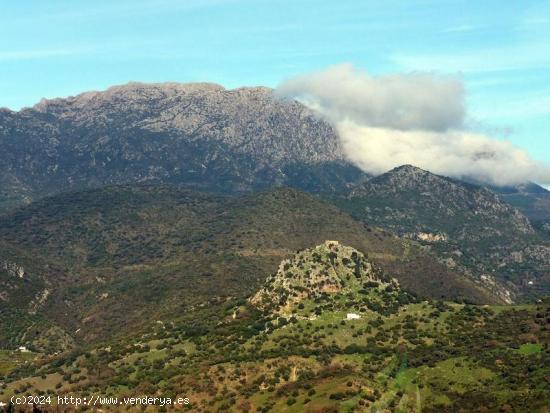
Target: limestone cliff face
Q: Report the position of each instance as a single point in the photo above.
(199, 134)
(249, 120)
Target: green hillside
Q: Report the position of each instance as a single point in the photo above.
(467, 226)
(329, 331)
(114, 259)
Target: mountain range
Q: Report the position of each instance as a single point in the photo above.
(195, 134)
(152, 229)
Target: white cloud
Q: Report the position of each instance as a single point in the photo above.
(415, 101)
(451, 153)
(417, 119)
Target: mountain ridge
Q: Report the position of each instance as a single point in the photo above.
(202, 135)
(198, 134)
(245, 139)
(467, 225)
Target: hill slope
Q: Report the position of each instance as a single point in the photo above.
(115, 258)
(531, 199)
(342, 336)
(467, 225)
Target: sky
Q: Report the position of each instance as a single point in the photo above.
(499, 50)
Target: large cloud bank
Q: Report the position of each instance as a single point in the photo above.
(416, 119)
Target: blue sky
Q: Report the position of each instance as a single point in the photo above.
(500, 49)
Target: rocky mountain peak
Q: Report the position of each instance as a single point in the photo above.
(134, 94)
(194, 133)
(409, 189)
(243, 118)
(405, 176)
(468, 225)
(131, 91)
(408, 169)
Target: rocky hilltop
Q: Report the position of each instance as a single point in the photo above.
(199, 134)
(325, 269)
(328, 278)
